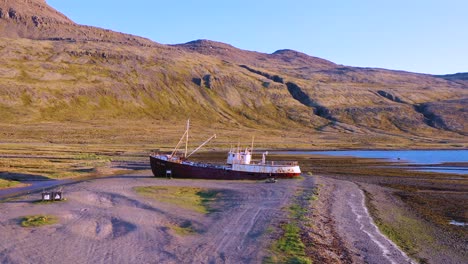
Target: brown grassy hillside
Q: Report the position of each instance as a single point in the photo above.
(64, 82)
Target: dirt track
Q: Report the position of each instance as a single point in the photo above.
(105, 221)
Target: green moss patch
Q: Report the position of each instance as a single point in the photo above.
(289, 247)
(192, 198)
(7, 183)
(290, 244)
(184, 229)
(38, 220)
(403, 231)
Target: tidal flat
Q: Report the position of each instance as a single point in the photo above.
(414, 209)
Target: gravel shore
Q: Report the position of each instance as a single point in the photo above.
(105, 221)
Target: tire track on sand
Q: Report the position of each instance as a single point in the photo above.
(357, 228)
(389, 250)
(235, 236)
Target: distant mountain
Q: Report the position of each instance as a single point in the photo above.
(461, 77)
(35, 19)
(53, 70)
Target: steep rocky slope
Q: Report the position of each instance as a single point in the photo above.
(53, 70)
(364, 97)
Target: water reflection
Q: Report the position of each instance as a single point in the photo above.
(421, 160)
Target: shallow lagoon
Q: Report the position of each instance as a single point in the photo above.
(416, 157)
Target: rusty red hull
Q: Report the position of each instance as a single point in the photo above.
(180, 170)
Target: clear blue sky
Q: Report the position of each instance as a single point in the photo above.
(426, 36)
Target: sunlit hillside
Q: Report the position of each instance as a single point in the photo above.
(64, 82)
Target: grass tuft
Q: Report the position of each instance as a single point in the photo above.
(401, 234)
(289, 247)
(7, 183)
(184, 229)
(192, 198)
(38, 220)
(290, 243)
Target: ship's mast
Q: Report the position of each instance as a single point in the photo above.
(180, 141)
(186, 143)
(186, 138)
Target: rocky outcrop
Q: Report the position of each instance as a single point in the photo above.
(430, 118)
(274, 78)
(450, 115)
(390, 96)
(297, 93)
(197, 81)
(207, 80)
(12, 14)
(101, 54)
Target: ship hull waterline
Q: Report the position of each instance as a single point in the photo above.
(179, 170)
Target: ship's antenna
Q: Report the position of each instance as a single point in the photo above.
(186, 139)
(251, 148)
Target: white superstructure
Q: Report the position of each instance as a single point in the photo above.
(242, 161)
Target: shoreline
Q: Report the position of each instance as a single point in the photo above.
(393, 183)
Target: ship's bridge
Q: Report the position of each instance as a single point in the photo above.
(239, 157)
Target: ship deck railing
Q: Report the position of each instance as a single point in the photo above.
(276, 163)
